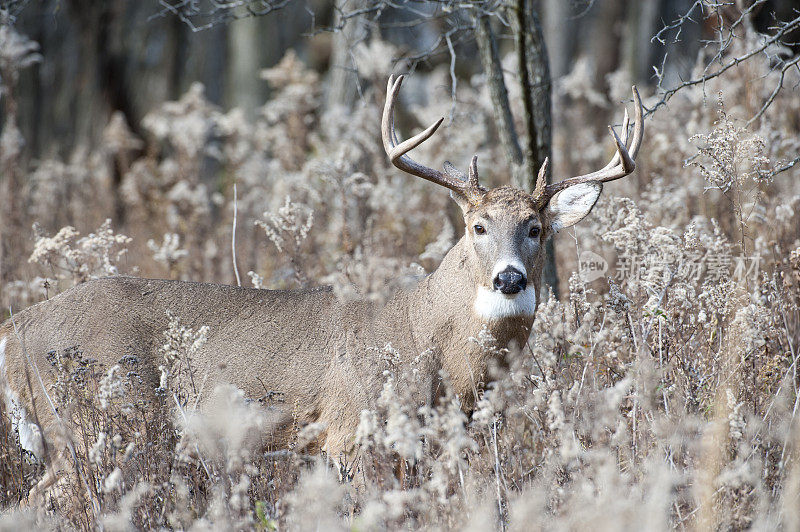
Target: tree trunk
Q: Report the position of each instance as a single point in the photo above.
(343, 77)
(537, 90)
(493, 70)
(11, 202)
(560, 43)
(245, 89)
(641, 26)
(534, 77)
(11, 230)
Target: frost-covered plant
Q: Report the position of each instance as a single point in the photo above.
(737, 164)
(287, 228)
(169, 252)
(365, 276)
(89, 257)
(60, 190)
(289, 115)
(226, 438)
(257, 280)
(671, 380)
(187, 123)
(178, 374)
(28, 293)
(728, 158)
(316, 503)
(375, 59)
(18, 51)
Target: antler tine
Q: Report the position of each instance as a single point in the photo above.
(473, 173)
(621, 165)
(397, 152)
(638, 124)
(625, 127)
(541, 179)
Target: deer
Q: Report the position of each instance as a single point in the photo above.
(318, 352)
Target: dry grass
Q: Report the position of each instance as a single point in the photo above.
(664, 398)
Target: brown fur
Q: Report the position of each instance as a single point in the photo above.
(324, 356)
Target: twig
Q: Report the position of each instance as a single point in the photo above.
(233, 239)
(774, 94)
(501, 513)
(724, 42)
(196, 447)
(453, 79)
(536, 360)
(677, 24)
(785, 167)
(286, 454)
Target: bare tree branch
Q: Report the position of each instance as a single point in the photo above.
(677, 24)
(211, 13)
(786, 67)
(787, 166)
(726, 34)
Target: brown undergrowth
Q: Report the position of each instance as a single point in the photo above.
(662, 394)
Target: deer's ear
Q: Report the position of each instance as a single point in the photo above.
(572, 204)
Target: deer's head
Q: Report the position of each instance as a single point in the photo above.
(506, 227)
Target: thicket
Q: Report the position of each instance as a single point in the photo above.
(661, 395)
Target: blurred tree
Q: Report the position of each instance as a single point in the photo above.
(17, 53)
(342, 86)
(525, 152)
(101, 57)
(533, 74)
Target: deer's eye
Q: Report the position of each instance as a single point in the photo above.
(479, 229)
(534, 232)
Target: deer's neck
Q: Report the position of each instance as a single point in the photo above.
(443, 317)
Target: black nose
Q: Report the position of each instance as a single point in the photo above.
(510, 281)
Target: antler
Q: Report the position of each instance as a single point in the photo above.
(619, 166)
(397, 152)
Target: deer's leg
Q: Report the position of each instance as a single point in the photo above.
(51, 484)
(30, 435)
(404, 472)
(340, 454)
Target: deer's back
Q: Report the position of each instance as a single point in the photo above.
(268, 343)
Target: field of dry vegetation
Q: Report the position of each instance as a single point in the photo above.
(663, 394)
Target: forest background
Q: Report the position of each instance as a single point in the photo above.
(137, 134)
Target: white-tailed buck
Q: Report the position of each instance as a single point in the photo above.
(322, 355)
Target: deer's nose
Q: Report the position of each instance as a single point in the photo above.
(510, 281)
